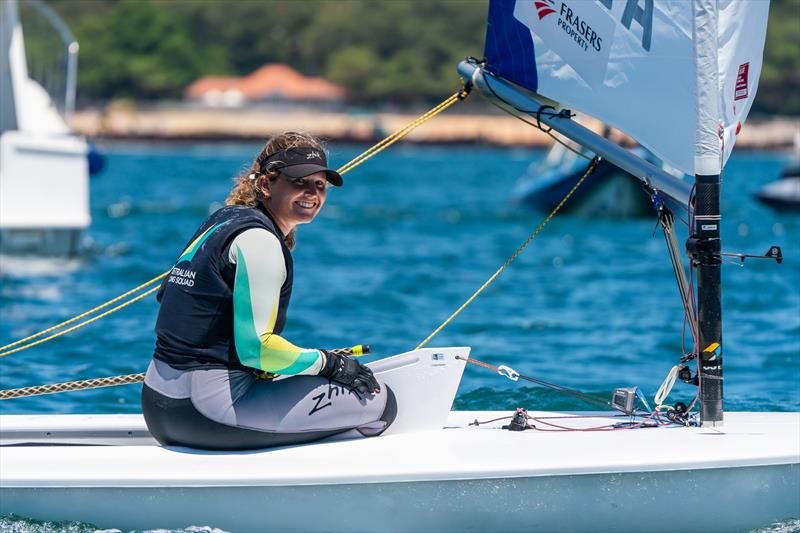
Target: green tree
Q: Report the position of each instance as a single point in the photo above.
(779, 87)
(382, 51)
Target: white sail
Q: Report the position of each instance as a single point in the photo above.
(631, 63)
(742, 29)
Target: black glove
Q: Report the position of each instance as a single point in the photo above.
(349, 372)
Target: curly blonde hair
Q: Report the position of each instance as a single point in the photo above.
(245, 189)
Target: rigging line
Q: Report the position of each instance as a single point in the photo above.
(607, 427)
(399, 133)
(71, 386)
(548, 132)
(589, 170)
(538, 124)
(84, 323)
(564, 113)
(89, 312)
(538, 112)
(680, 275)
(555, 138)
(690, 212)
(666, 219)
(382, 145)
(552, 386)
(559, 428)
(112, 381)
(396, 136)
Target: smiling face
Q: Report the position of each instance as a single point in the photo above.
(293, 201)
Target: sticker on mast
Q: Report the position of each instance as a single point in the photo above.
(740, 92)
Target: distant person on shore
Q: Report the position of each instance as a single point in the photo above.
(223, 307)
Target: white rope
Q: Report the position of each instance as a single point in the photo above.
(666, 387)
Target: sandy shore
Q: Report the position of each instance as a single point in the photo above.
(196, 123)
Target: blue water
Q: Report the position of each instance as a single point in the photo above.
(590, 304)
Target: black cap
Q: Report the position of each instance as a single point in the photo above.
(303, 161)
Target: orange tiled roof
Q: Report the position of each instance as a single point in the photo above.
(270, 81)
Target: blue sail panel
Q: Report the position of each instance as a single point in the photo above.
(509, 46)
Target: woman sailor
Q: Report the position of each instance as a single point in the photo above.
(223, 308)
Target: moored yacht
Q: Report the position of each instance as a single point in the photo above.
(44, 172)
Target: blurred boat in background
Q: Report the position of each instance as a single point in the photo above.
(610, 192)
(44, 166)
(784, 193)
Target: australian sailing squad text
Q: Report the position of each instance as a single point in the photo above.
(181, 276)
(579, 30)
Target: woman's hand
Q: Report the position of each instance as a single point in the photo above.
(349, 372)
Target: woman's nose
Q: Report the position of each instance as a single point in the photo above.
(311, 188)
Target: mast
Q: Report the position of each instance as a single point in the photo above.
(679, 76)
(705, 245)
(9, 24)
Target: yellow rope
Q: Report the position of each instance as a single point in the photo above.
(84, 323)
(377, 148)
(128, 379)
(589, 170)
(73, 319)
(135, 378)
(399, 134)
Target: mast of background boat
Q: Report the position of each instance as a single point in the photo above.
(8, 26)
(705, 245)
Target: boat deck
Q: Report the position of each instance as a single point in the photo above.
(461, 478)
(130, 457)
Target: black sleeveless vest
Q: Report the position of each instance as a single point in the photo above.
(194, 328)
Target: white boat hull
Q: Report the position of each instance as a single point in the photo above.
(653, 501)
(461, 478)
(432, 471)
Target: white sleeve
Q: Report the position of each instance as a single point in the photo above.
(260, 274)
(262, 247)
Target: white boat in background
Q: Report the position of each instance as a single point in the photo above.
(44, 172)
(783, 194)
(435, 470)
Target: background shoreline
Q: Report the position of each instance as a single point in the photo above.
(190, 123)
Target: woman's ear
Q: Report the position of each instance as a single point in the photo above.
(262, 184)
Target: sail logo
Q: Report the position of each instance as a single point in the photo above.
(578, 29)
(740, 91)
(544, 8)
(577, 32)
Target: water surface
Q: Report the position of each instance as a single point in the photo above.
(590, 304)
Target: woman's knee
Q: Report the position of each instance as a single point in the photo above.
(390, 410)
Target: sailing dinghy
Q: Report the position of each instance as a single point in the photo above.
(666, 469)
(432, 471)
